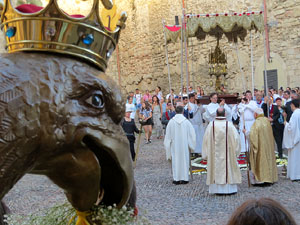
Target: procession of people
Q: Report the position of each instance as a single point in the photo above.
(258, 126)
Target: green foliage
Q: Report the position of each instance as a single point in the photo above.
(58, 215)
(62, 214)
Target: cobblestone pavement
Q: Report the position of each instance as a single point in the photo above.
(158, 199)
(165, 203)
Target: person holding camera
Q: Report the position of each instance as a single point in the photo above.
(246, 110)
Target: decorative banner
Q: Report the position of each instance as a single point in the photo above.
(234, 26)
(172, 33)
(173, 28)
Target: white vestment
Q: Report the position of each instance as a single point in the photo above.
(180, 137)
(246, 112)
(197, 123)
(291, 141)
(234, 112)
(221, 146)
(211, 112)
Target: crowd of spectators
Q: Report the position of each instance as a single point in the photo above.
(154, 110)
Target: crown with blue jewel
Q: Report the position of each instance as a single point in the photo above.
(31, 27)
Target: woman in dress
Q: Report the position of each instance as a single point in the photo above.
(146, 118)
(157, 115)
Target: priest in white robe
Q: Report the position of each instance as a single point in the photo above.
(291, 141)
(246, 111)
(221, 146)
(211, 108)
(197, 122)
(180, 139)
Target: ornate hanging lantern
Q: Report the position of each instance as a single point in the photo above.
(217, 65)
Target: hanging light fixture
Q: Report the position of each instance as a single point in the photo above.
(217, 65)
(217, 62)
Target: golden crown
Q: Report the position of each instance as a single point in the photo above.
(33, 28)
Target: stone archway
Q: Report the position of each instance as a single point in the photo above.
(277, 63)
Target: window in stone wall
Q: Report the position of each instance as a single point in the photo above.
(272, 79)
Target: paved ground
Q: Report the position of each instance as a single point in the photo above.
(158, 199)
(166, 203)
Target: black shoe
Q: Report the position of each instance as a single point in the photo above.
(184, 182)
(176, 182)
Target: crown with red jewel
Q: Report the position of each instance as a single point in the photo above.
(30, 27)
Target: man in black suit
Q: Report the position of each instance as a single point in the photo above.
(264, 106)
(289, 111)
(278, 125)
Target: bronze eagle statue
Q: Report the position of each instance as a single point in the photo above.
(61, 118)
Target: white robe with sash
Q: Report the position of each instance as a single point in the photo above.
(180, 137)
(246, 112)
(291, 141)
(221, 146)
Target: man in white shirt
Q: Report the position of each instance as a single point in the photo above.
(286, 97)
(246, 110)
(191, 90)
(171, 96)
(130, 107)
(211, 108)
(138, 97)
(274, 94)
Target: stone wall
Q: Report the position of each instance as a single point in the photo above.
(142, 48)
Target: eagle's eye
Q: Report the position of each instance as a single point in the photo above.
(96, 100)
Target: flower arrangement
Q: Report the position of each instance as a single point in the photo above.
(281, 161)
(64, 214)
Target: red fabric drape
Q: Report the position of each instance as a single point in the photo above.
(173, 28)
(30, 8)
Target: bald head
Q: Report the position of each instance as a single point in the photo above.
(221, 112)
(257, 112)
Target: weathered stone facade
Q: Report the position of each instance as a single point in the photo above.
(142, 47)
